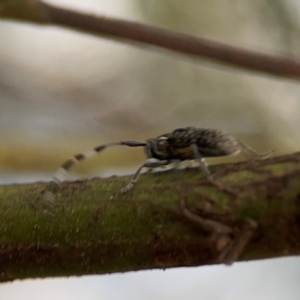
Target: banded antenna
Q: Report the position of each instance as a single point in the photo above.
(62, 173)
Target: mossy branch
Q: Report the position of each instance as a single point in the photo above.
(42, 13)
(92, 229)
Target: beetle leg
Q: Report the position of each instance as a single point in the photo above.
(150, 163)
(202, 163)
(252, 154)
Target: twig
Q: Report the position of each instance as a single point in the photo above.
(178, 42)
(39, 12)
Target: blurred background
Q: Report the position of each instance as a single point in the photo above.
(62, 93)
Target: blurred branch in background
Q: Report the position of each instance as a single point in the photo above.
(162, 38)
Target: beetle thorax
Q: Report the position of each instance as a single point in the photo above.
(158, 148)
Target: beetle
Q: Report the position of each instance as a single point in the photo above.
(189, 143)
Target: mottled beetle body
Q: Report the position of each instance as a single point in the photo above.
(182, 144)
(188, 143)
(209, 142)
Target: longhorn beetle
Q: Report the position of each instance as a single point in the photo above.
(189, 143)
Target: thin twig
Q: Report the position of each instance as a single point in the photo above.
(178, 42)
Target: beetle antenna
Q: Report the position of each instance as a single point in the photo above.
(62, 173)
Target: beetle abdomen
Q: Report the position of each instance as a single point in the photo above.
(210, 142)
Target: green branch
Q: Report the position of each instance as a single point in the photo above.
(92, 229)
(142, 34)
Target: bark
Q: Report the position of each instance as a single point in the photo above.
(93, 229)
(38, 12)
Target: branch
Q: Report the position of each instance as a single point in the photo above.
(96, 230)
(141, 34)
